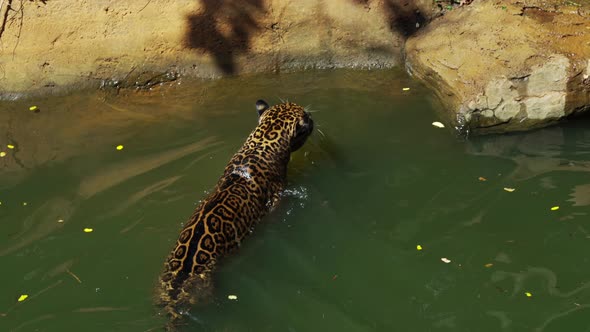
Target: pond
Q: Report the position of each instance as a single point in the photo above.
(374, 183)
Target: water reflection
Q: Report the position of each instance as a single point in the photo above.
(42, 222)
(112, 175)
(581, 195)
(535, 153)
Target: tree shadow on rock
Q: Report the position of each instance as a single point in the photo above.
(224, 29)
(403, 16)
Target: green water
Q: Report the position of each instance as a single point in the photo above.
(339, 254)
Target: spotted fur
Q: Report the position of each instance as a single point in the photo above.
(250, 186)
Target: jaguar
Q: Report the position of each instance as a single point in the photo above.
(250, 187)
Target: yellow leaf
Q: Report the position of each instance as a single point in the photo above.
(10, 146)
(418, 247)
(488, 265)
(438, 124)
(88, 230)
(22, 297)
(2, 154)
(555, 208)
(406, 89)
(25, 203)
(232, 297)
(509, 189)
(33, 108)
(445, 260)
(119, 147)
(528, 294)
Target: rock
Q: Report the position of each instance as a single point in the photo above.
(49, 45)
(506, 65)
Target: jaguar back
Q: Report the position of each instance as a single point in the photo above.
(248, 189)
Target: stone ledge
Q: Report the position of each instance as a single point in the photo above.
(506, 65)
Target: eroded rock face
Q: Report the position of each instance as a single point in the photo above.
(47, 45)
(506, 65)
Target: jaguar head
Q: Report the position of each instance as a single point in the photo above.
(289, 121)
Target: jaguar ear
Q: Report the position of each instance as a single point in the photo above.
(261, 106)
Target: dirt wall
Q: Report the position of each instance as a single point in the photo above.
(46, 46)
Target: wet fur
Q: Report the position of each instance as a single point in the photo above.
(249, 188)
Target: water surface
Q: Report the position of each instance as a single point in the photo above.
(339, 254)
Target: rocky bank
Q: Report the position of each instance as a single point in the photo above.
(46, 46)
(506, 65)
(496, 66)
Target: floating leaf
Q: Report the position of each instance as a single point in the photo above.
(438, 124)
(555, 208)
(509, 189)
(528, 294)
(119, 147)
(88, 230)
(60, 221)
(10, 146)
(418, 247)
(33, 108)
(22, 297)
(406, 89)
(488, 265)
(2, 154)
(232, 297)
(481, 178)
(445, 260)
(25, 203)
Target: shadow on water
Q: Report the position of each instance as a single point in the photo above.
(237, 16)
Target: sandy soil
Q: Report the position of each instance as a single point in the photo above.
(46, 46)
